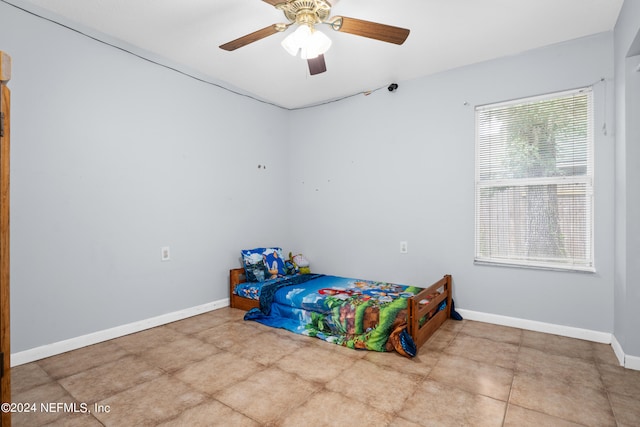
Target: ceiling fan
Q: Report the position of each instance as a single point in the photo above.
(312, 44)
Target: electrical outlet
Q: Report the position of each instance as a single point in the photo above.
(403, 247)
(165, 255)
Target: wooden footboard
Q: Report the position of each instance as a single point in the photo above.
(417, 311)
(419, 333)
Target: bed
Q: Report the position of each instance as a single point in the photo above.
(368, 315)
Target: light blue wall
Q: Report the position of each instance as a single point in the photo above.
(389, 167)
(627, 284)
(114, 157)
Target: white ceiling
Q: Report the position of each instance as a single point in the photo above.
(445, 34)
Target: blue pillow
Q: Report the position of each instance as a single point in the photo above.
(262, 264)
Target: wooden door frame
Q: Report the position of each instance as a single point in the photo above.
(5, 160)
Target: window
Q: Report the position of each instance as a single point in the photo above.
(534, 182)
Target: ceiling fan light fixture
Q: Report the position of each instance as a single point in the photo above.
(308, 41)
(316, 44)
(312, 44)
(296, 40)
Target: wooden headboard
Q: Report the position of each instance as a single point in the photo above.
(237, 275)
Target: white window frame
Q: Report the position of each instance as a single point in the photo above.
(486, 256)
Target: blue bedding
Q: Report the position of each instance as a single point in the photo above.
(355, 313)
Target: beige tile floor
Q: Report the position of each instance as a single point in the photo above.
(216, 369)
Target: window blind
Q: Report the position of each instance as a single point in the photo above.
(534, 182)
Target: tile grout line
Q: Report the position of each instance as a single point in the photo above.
(513, 378)
(606, 390)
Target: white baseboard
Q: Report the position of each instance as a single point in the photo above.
(617, 349)
(31, 355)
(532, 325)
(632, 362)
(629, 362)
(59, 347)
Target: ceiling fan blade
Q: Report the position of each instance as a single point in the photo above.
(250, 38)
(372, 30)
(317, 65)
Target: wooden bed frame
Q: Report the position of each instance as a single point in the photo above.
(420, 334)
